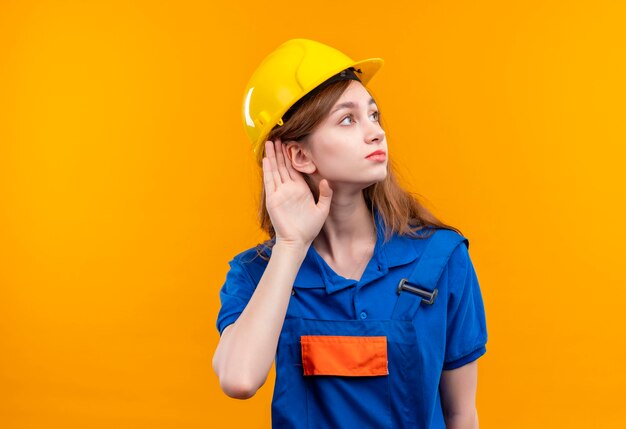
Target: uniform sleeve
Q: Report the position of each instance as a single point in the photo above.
(234, 294)
(466, 334)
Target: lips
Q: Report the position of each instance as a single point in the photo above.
(378, 152)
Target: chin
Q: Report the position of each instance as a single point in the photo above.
(376, 180)
(382, 176)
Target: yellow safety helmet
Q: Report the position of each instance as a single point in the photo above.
(286, 75)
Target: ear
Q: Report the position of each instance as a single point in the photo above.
(300, 157)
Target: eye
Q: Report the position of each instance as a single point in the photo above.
(376, 115)
(347, 117)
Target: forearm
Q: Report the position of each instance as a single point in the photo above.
(247, 348)
(467, 420)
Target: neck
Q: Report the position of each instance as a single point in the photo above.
(349, 227)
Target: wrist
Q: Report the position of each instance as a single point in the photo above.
(294, 248)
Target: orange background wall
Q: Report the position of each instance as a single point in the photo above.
(127, 183)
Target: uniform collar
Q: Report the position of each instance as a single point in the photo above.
(399, 250)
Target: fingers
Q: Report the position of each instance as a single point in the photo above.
(271, 156)
(280, 160)
(277, 168)
(325, 197)
(268, 179)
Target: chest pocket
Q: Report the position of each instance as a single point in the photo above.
(344, 355)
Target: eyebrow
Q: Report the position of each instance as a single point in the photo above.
(349, 104)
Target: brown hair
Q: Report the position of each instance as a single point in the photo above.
(400, 210)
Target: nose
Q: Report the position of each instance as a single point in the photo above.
(374, 133)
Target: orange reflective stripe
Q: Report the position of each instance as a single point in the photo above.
(344, 355)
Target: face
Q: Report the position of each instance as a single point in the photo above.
(339, 148)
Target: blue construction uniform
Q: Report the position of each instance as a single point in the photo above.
(420, 339)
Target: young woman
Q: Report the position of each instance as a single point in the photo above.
(369, 306)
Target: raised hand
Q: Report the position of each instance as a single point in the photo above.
(296, 218)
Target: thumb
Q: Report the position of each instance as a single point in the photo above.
(326, 195)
